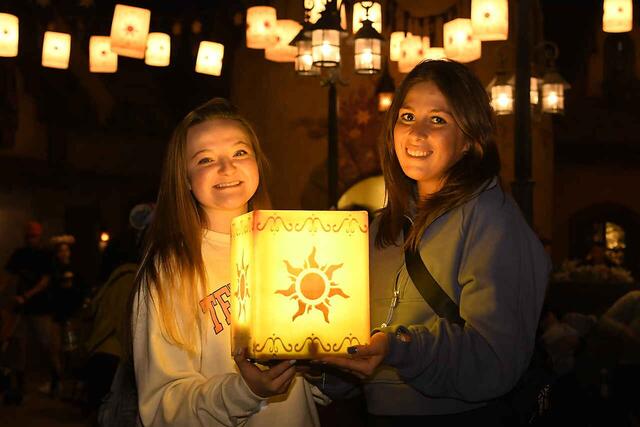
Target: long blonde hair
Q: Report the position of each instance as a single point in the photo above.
(172, 268)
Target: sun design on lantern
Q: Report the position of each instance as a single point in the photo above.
(243, 290)
(312, 286)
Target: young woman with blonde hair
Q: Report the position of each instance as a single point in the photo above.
(185, 374)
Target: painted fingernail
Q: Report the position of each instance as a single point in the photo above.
(352, 350)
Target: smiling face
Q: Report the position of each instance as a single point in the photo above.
(222, 170)
(427, 139)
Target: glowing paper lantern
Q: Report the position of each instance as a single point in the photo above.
(56, 49)
(209, 59)
(502, 99)
(411, 48)
(459, 43)
(368, 55)
(360, 14)
(490, 19)
(101, 58)
(8, 35)
(299, 283)
(129, 31)
(286, 30)
(158, 50)
(435, 53)
(426, 44)
(318, 8)
(261, 27)
(617, 16)
(395, 45)
(534, 91)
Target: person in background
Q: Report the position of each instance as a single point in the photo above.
(441, 168)
(185, 375)
(29, 272)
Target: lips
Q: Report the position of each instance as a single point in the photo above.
(224, 185)
(418, 153)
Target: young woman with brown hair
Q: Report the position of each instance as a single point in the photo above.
(441, 164)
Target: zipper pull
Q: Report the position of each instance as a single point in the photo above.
(396, 298)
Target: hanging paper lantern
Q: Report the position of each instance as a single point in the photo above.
(209, 59)
(426, 44)
(101, 58)
(299, 283)
(261, 27)
(617, 16)
(129, 31)
(318, 8)
(459, 43)
(490, 19)
(534, 91)
(411, 48)
(56, 49)
(286, 30)
(435, 53)
(395, 45)
(360, 14)
(9, 35)
(158, 50)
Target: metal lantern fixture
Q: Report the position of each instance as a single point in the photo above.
(9, 35)
(209, 59)
(316, 7)
(617, 16)
(385, 90)
(101, 58)
(553, 87)
(490, 19)
(459, 42)
(368, 55)
(534, 92)
(367, 10)
(286, 30)
(395, 45)
(158, 50)
(501, 91)
(261, 27)
(129, 31)
(56, 50)
(325, 37)
(304, 58)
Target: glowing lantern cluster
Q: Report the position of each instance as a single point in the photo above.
(360, 14)
(395, 45)
(56, 49)
(8, 35)
(158, 52)
(101, 58)
(435, 53)
(209, 60)
(617, 16)
(286, 30)
(261, 27)
(299, 283)
(129, 31)
(459, 43)
(411, 48)
(490, 19)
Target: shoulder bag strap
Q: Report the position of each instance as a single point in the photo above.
(430, 290)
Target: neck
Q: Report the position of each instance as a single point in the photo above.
(425, 189)
(220, 221)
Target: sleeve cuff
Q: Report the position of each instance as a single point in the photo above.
(398, 349)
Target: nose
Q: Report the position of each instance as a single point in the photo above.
(420, 129)
(226, 166)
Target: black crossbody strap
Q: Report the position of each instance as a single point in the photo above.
(427, 285)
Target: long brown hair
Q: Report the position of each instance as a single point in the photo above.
(172, 265)
(472, 112)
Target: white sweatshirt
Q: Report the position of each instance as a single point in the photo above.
(176, 388)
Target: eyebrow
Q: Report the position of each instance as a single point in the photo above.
(235, 144)
(433, 110)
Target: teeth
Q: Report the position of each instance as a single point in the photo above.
(417, 153)
(227, 184)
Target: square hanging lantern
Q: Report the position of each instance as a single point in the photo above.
(385, 90)
(435, 53)
(501, 92)
(129, 31)
(395, 45)
(617, 16)
(158, 50)
(304, 58)
(360, 14)
(368, 49)
(209, 60)
(534, 91)
(101, 58)
(553, 88)
(261, 27)
(459, 43)
(411, 48)
(286, 30)
(299, 283)
(56, 49)
(9, 34)
(490, 19)
(426, 44)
